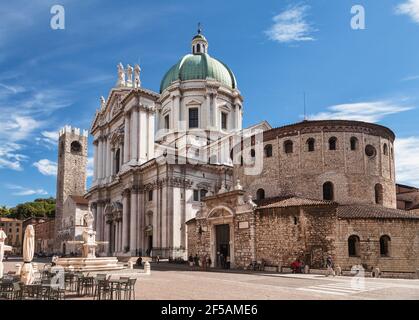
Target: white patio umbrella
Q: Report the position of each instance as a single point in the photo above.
(3, 248)
(27, 273)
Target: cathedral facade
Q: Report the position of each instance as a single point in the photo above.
(157, 155)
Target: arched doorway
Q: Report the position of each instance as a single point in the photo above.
(222, 240)
(220, 221)
(64, 249)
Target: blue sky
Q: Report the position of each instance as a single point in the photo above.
(277, 50)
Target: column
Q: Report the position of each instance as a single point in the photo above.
(120, 249)
(95, 150)
(125, 221)
(94, 211)
(99, 220)
(133, 221)
(109, 159)
(104, 157)
(134, 135)
(150, 135)
(126, 138)
(215, 112)
(206, 115)
(99, 159)
(175, 117)
(116, 236)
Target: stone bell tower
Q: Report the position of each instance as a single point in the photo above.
(71, 176)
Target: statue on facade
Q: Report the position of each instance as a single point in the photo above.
(129, 71)
(102, 103)
(137, 81)
(121, 75)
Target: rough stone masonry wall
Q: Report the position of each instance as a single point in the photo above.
(404, 248)
(280, 241)
(303, 173)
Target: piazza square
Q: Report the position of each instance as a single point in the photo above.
(159, 181)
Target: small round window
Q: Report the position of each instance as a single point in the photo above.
(370, 151)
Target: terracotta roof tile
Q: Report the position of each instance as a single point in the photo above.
(373, 211)
(290, 201)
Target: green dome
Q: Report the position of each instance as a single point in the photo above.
(199, 67)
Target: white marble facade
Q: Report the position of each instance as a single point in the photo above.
(152, 167)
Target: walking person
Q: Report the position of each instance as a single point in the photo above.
(190, 261)
(330, 266)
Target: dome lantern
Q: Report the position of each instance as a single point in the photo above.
(199, 42)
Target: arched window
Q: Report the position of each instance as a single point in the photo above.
(354, 143)
(117, 160)
(353, 246)
(378, 191)
(288, 146)
(198, 48)
(333, 143)
(385, 149)
(260, 194)
(241, 161)
(75, 147)
(385, 246)
(310, 144)
(252, 153)
(328, 191)
(268, 151)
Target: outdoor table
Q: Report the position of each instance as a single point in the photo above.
(85, 285)
(33, 291)
(52, 291)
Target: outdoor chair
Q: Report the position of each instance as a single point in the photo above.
(6, 289)
(103, 290)
(128, 289)
(17, 291)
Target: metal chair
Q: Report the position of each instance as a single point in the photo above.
(129, 289)
(103, 290)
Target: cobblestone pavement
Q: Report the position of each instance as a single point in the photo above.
(168, 281)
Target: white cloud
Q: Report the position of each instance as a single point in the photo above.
(22, 191)
(290, 25)
(46, 167)
(407, 160)
(372, 111)
(16, 128)
(90, 167)
(411, 78)
(9, 156)
(49, 137)
(409, 8)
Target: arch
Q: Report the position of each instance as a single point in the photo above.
(212, 213)
(328, 192)
(260, 194)
(268, 151)
(385, 242)
(75, 147)
(385, 149)
(378, 192)
(288, 146)
(333, 143)
(311, 144)
(353, 246)
(354, 143)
